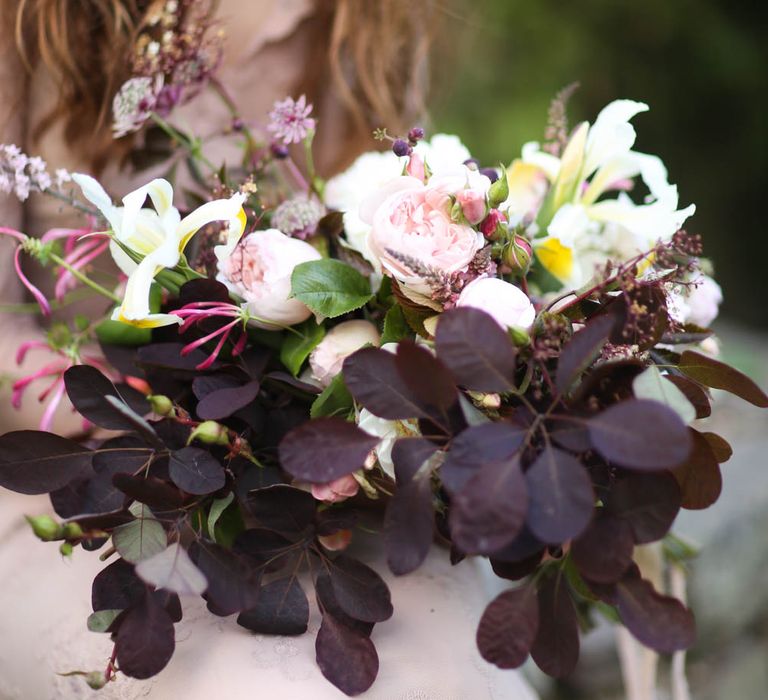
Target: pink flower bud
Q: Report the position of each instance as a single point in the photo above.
(415, 167)
(337, 490)
(491, 223)
(517, 255)
(472, 205)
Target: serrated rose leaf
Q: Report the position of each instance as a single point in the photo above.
(325, 449)
(233, 579)
(718, 375)
(640, 434)
(139, 539)
(660, 622)
(346, 657)
(556, 647)
(648, 502)
(173, 570)
(300, 343)
(145, 639)
(476, 446)
(560, 496)
(699, 476)
(508, 627)
(282, 608)
(652, 384)
(373, 380)
(33, 462)
(581, 350)
(426, 376)
(282, 508)
(476, 350)
(603, 552)
(330, 287)
(196, 471)
(359, 590)
(222, 403)
(490, 509)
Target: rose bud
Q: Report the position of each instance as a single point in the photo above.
(473, 205)
(416, 168)
(499, 190)
(506, 303)
(517, 255)
(161, 405)
(337, 490)
(45, 527)
(66, 549)
(493, 225)
(340, 342)
(211, 433)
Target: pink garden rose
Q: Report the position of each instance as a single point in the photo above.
(340, 342)
(473, 205)
(507, 303)
(409, 218)
(337, 490)
(259, 270)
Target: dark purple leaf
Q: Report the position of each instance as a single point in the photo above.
(660, 622)
(330, 521)
(640, 434)
(581, 350)
(116, 587)
(409, 518)
(291, 381)
(425, 375)
(346, 657)
(560, 496)
(233, 578)
(168, 356)
(604, 551)
(224, 402)
(145, 639)
(157, 494)
(719, 446)
(282, 608)
(648, 502)
(203, 290)
(522, 547)
(514, 571)
(508, 627)
(282, 508)
(476, 446)
(490, 509)
(359, 590)
(205, 384)
(266, 547)
(196, 471)
(325, 449)
(372, 378)
(33, 462)
(717, 375)
(699, 476)
(571, 436)
(104, 521)
(556, 648)
(476, 350)
(328, 605)
(694, 393)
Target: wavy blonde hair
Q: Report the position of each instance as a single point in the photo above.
(373, 52)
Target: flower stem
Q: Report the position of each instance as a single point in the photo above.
(95, 286)
(192, 146)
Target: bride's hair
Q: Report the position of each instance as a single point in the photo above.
(374, 55)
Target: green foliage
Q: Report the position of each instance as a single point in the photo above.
(329, 287)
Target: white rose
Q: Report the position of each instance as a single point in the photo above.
(340, 342)
(259, 271)
(506, 303)
(704, 300)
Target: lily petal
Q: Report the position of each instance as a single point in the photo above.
(97, 196)
(611, 135)
(230, 210)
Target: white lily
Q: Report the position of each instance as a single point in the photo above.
(159, 235)
(581, 230)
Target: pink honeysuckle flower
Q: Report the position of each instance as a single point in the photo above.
(22, 238)
(196, 312)
(289, 120)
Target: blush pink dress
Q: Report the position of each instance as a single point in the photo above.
(427, 650)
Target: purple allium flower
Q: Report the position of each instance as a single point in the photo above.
(289, 120)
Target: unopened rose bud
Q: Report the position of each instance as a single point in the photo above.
(494, 225)
(415, 167)
(499, 190)
(211, 433)
(517, 255)
(72, 531)
(45, 527)
(161, 405)
(96, 680)
(473, 205)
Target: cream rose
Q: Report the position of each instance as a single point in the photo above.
(411, 221)
(340, 342)
(259, 271)
(507, 303)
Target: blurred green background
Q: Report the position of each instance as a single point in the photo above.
(701, 65)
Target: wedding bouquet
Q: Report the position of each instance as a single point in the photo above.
(506, 360)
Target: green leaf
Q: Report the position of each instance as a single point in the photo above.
(651, 384)
(718, 375)
(299, 343)
(100, 620)
(396, 328)
(217, 508)
(140, 539)
(329, 287)
(334, 401)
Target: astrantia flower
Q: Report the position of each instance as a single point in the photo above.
(289, 120)
(159, 235)
(134, 103)
(298, 216)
